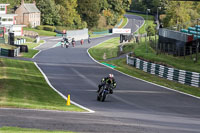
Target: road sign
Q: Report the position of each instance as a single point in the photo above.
(121, 30)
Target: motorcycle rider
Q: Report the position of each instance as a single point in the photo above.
(73, 42)
(66, 42)
(89, 39)
(108, 80)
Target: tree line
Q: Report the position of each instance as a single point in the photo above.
(173, 13)
(78, 13)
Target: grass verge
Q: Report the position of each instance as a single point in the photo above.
(177, 62)
(106, 50)
(31, 51)
(148, 22)
(96, 35)
(98, 51)
(27, 130)
(41, 32)
(23, 86)
(125, 20)
(7, 46)
(123, 67)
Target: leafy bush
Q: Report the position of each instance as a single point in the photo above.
(49, 28)
(61, 28)
(151, 30)
(29, 25)
(40, 27)
(128, 47)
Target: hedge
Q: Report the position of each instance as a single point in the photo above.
(49, 28)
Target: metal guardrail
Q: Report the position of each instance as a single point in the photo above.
(4, 52)
(10, 53)
(2, 40)
(181, 76)
(20, 41)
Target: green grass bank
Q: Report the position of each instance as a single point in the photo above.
(41, 32)
(106, 50)
(109, 48)
(23, 86)
(31, 51)
(27, 130)
(148, 21)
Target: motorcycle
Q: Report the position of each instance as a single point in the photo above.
(62, 44)
(73, 42)
(104, 91)
(89, 40)
(67, 44)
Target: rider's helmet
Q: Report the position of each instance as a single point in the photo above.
(111, 76)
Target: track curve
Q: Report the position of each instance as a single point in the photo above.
(135, 106)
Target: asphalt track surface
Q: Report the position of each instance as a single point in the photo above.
(135, 107)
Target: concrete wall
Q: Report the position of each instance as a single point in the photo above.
(180, 36)
(77, 34)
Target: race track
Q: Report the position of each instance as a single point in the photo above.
(136, 106)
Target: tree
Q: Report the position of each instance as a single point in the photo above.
(138, 5)
(116, 10)
(176, 14)
(69, 14)
(103, 5)
(151, 31)
(142, 5)
(49, 12)
(89, 11)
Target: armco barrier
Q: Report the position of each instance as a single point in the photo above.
(20, 41)
(10, 53)
(16, 51)
(181, 76)
(4, 52)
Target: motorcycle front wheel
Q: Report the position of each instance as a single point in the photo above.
(98, 98)
(103, 97)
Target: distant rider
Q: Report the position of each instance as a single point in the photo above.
(108, 80)
(73, 42)
(89, 39)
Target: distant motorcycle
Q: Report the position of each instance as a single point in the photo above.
(62, 43)
(89, 40)
(73, 42)
(67, 44)
(104, 91)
